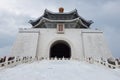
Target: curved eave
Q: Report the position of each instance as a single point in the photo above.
(60, 21)
(89, 22)
(74, 12)
(33, 22)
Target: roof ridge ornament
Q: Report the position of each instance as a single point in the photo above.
(61, 10)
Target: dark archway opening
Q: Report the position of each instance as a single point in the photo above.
(60, 49)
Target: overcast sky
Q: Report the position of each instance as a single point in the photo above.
(15, 14)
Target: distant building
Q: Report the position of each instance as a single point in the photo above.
(62, 34)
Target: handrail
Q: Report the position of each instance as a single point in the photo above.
(29, 59)
(102, 62)
(16, 61)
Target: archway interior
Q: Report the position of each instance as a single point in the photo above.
(60, 49)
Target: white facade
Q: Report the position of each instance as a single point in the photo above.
(83, 43)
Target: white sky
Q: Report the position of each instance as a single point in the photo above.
(16, 13)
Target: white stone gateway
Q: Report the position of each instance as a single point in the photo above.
(62, 34)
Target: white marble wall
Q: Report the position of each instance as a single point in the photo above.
(71, 36)
(95, 45)
(83, 42)
(25, 44)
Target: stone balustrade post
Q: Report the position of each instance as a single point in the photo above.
(6, 62)
(106, 63)
(116, 64)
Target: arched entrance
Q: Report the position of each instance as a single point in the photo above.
(60, 49)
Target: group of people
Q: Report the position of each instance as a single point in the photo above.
(113, 60)
(3, 59)
(110, 60)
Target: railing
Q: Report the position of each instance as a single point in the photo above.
(103, 62)
(13, 61)
(20, 60)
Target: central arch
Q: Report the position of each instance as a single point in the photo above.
(60, 49)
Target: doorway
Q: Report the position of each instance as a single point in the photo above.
(60, 49)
